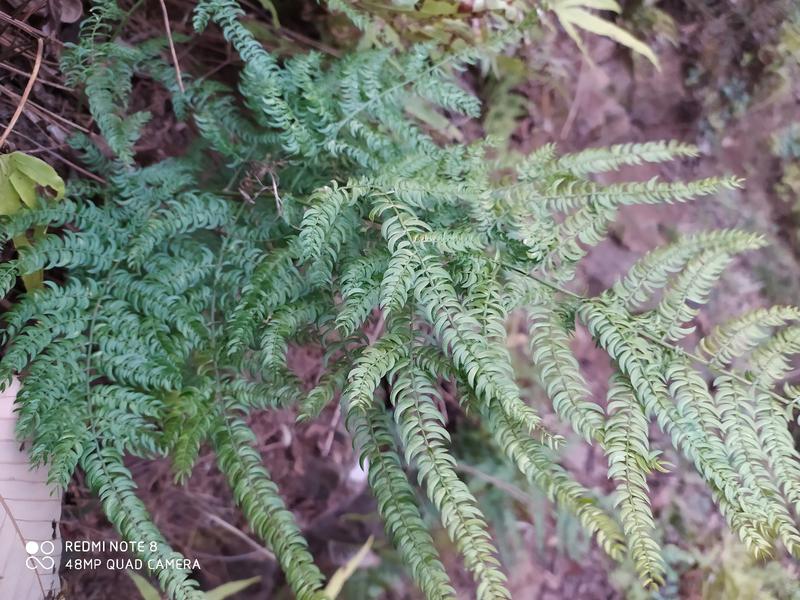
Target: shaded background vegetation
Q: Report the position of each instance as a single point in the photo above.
(728, 83)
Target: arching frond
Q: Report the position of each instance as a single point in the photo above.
(258, 497)
(749, 457)
(630, 460)
(597, 160)
(652, 272)
(425, 440)
(560, 374)
(310, 209)
(736, 337)
(112, 482)
(397, 501)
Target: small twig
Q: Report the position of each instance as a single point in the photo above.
(328, 443)
(241, 535)
(576, 102)
(41, 149)
(505, 486)
(278, 200)
(26, 93)
(12, 46)
(172, 46)
(32, 31)
(47, 113)
(13, 69)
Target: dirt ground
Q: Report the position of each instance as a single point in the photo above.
(717, 88)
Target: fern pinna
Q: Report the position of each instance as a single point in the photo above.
(310, 206)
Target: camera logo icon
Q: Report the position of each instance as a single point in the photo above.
(39, 555)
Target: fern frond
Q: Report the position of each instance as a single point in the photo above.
(630, 460)
(50, 301)
(586, 227)
(611, 158)
(642, 367)
(397, 502)
(274, 282)
(397, 280)
(263, 507)
(772, 421)
(128, 419)
(185, 214)
(565, 194)
(373, 364)
(537, 164)
(400, 260)
(533, 461)
(359, 19)
(736, 337)
(455, 330)
(360, 290)
(425, 440)
(285, 323)
(749, 457)
(187, 424)
(326, 205)
(689, 291)
(770, 361)
(36, 338)
(560, 373)
(68, 250)
(704, 444)
(113, 484)
(106, 68)
(597, 207)
(323, 393)
(652, 272)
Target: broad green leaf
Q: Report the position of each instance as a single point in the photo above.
(39, 172)
(32, 281)
(573, 13)
(145, 588)
(504, 108)
(426, 113)
(9, 199)
(226, 590)
(25, 188)
(611, 5)
(20, 174)
(270, 8)
(338, 579)
(437, 8)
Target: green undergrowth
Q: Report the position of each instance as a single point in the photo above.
(311, 208)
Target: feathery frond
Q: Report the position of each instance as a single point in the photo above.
(401, 260)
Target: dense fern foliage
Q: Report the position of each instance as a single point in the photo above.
(311, 207)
